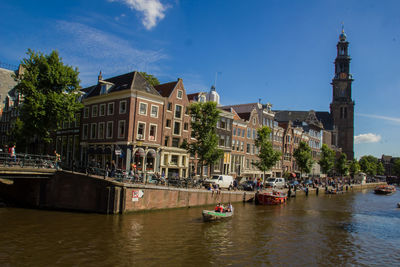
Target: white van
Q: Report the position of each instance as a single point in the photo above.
(223, 181)
(276, 182)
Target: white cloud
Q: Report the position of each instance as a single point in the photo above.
(92, 50)
(367, 138)
(392, 119)
(153, 10)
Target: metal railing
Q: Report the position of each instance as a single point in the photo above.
(23, 160)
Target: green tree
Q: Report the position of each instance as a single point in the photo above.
(303, 158)
(368, 164)
(354, 168)
(204, 121)
(50, 90)
(396, 167)
(380, 170)
(268, 156)
(341, 165)
(327, 160)
(150, 78)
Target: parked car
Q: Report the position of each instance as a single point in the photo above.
(276, 182)
(247, 186)
(223, 181)
(293, 183)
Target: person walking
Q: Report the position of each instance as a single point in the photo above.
(12, 154)
(113, 168)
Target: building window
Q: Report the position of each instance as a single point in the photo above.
(239, 132)
(152, 132)
(248, 148)
(247, 163)
(241, 146)
(180, 93)
(166, 141)
(175, 142)
(85, 131)
(110, 109)
(168, 124)
(122, 107)
(121, 129)
(166, 159)
(143, 108)
(243, 130)
(177, 128)
(86, 112)
(102, 110)
(234, 131)
(93, 130)
(94, 111)
(222, 123)
(109, 131)
(254, 121)
(233, 144)
(221, 140)
(178, 111)
(185, 126)
(101, 130)
(154, 111)
(77, 119)
(174, 159)
(227, 140)
(169, 106)
(183, 160)
(141, 130)
(254, 134)
(249, 133)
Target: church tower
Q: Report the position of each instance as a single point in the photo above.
(342, 106)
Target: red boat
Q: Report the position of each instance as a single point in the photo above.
(272, 198)
(385, 189)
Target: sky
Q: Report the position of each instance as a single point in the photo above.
(279, 51)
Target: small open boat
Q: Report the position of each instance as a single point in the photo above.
(272, 198)
(210, 215)
(385, 189)
(398, 204)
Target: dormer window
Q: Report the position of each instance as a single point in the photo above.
(103, 89)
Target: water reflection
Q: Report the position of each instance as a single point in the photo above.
(349, 229)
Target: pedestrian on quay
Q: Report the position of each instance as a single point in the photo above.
(289, 192)
(317, 190)
(12, 153)
(113, 168)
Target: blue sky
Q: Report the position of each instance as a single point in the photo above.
(279, 51)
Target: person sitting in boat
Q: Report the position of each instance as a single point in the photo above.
(229, 208)
(219, 208)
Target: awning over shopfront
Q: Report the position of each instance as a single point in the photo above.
(140, 152)
(151, 153)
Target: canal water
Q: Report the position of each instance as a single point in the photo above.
(359, 228)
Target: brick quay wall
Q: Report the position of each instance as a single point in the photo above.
(79, 192)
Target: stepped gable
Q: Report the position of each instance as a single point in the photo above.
(131, 80)
(166, 89)
(326, 119)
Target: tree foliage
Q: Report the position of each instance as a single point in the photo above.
(204, 121)
(396, 167)
(327, 160)
(354, 168)
(369, 164)
(50, 90)
(380, 170)
(341, 165)
(303, 157)
(267, 155)
(150, 78)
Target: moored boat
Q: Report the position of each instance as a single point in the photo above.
(272, 198)
(211, 215)
(385, 189)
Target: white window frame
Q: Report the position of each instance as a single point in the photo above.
(170, 126)
(86, 112)
(185, 123)
(140, 108)
(108, 108)
(95, 114)
(120, 105)
(175, 117)
(180, 128)
(144, 131)
(91, 131)
(151, 111)
(179, 92)
(155, 133)
(119, 132)
(101, 134)
(85, 137)
(104, 111)
(112, 130)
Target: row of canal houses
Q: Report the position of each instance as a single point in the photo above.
(127, 120)
(140, 126)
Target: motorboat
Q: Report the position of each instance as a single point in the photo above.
(385, 189)
(272, 198)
